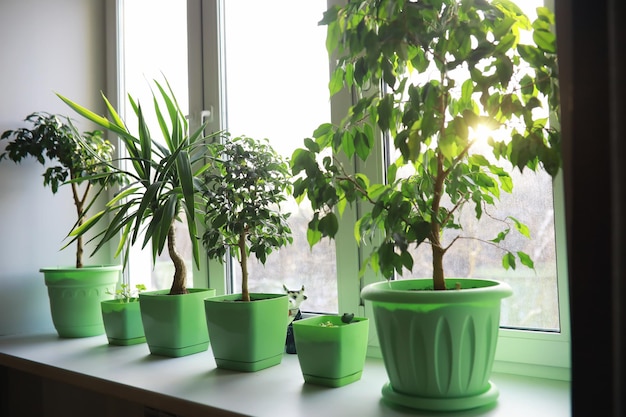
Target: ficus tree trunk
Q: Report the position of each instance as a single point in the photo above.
(435, 232)
(79, 204)
(179, 284)
(243, 262)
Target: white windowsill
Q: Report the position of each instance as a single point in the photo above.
(192, 385)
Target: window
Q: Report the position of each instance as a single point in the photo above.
(535, 303)
(264, 75)
(148, 53)
(269, 95)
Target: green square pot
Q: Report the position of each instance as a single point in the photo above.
(334, 355)
(122, 322)
(247, 336)
(174, 324)
(75, 295)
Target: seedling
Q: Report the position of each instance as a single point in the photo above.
(126, 295)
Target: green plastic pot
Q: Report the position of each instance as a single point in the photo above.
(174, 325)
(331, 356)
(247, 336)
(438, 346)
(75, 295)
(122, 322)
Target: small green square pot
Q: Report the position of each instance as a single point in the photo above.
(174, 324)
(334, 355)
(247, 336)
(122, 322)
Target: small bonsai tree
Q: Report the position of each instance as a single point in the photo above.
(163, 173)
(444, 68)
(75, 156)
(243, 192)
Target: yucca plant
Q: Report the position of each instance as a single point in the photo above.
(428, 74)
(76, 158)
(162, 177)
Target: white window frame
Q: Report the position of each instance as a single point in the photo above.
(533, 353)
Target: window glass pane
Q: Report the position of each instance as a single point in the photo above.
(149, 53)
(534, 304)
(277, 88)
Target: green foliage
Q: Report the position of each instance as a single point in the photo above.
(53, 137)
(75, 157)
(126, 295)
(243, 191)
(445, 69)
(163, 181)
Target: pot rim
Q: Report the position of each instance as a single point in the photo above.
(68, 268)
(388, 291)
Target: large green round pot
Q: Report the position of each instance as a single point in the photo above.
(75, 295)
(438, 346)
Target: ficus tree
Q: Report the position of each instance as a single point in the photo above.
(441, 70)
(71, 157)
(243, 190)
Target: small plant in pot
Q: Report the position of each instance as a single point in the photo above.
(163, 170)
(54, 139)
(122, 317)
(444, 68)
(243, 191)
(331, 349)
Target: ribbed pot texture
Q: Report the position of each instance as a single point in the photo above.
(438, 344)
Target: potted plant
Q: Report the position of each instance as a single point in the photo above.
(243, 191)
(331, 349)
(54, 138)
(122, 317)
(162, 192)
(444, 68)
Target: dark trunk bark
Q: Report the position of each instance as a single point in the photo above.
(243, 256)
(179, 284)
(79, 204)
(435, 230)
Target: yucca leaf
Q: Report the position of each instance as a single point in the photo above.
(150, 195)
(145, 144)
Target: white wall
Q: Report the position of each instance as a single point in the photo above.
(46, 46)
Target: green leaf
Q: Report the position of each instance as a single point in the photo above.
(545, 40)
(363, 145)
(313, 236)
(88, 224)
(312, 145)
(501, 236)
(336, 81)
(329, 225)
(385, 107)
(448, 146)
(521, 227)
(407, 260)
(392, 170)
(508, 261)
(525, 260)
(347, 143)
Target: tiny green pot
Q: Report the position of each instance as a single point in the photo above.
(438, 346)
(332, 356)
(122, 322)
(75, 295)
(247, 336)
(174, 325)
